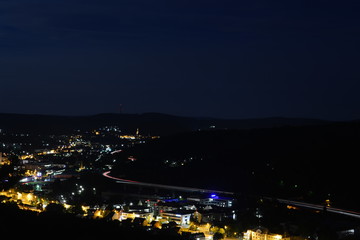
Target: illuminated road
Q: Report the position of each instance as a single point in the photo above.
(189, 189)
(170, 187)
(320, 207)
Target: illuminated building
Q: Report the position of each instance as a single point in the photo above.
(137, 136)
(180, 217)
(261, 234)
(214, 200)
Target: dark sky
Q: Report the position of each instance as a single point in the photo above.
(225, 58)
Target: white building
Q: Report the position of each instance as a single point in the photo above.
(181, 218)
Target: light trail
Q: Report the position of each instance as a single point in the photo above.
(190, 189)
(116, 151)
(320, 207)
(155, 185)
(106, 174)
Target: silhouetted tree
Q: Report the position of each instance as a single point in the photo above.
(54, 208)
(218, 235)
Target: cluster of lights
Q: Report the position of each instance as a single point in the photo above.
(62, 199)
(80, 189)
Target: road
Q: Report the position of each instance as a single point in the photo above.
(190, 189)
(170, 187)
(320, 207)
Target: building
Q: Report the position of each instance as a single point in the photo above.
(213, 200)
(353, 232)
(123, 215)
(261, 234)
(4, 160)
(209, 216)
(132, 212)
(168, 206)
(180, 217)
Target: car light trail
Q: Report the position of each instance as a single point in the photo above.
(155, 185)
(106, 174)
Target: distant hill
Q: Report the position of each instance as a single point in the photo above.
(149, 123)
(312, 163)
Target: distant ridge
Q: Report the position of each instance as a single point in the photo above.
(149, 123)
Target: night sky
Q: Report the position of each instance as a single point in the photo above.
(225, 58)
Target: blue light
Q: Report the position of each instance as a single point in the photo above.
(214, 196)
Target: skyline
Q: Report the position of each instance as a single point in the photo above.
(222, 59)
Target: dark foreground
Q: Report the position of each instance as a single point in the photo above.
(27, 224)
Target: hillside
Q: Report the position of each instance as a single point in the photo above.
(149, 123)
(293, 158)
(309, 162)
